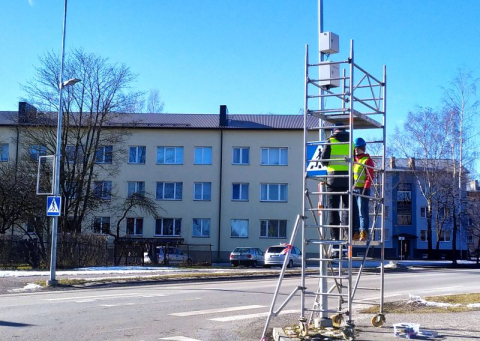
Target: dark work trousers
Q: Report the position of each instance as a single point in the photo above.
(333, 201)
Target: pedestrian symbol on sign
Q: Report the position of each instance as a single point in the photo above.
(53, 206)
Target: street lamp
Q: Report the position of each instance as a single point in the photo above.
(56, 168)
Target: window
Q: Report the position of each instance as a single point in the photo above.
(273, 228)
(33, 224)
(36, 151)
(239, 228)
(101, 225)
(168, 227)
(170, 155)
(137, 187)
(404, 204)
(137, 154)
(445, 236)
(3, 152)
(72, 190)
(169, 190)
(423, 212)
(103, 190)
(423, 236)
(73, 154)
(104, 154)
(273, 192)
(201, 227)
(135, 226)
(202, 191)
(203, 156)
(274, 156)
(241, 156)
(240, 192)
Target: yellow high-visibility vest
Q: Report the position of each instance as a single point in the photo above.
(338, 152)
(360, 172)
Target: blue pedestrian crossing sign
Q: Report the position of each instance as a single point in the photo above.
(313, 167)
(54, 204)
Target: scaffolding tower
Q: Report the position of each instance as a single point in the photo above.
(346, 96)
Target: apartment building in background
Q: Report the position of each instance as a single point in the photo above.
(229, 180)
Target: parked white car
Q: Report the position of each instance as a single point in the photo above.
(275, 255)
(174, 256)
(248, 256)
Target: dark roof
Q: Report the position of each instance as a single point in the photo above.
(194, 121)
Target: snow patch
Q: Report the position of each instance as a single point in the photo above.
(28, 287)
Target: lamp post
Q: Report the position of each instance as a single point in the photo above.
(56, 168)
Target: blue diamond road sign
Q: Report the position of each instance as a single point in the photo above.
(54, 204)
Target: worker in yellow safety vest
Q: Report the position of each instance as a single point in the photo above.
(363, 173)
(335, 154)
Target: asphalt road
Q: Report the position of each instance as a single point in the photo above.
(216, 310)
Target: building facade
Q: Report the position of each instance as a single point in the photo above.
(227, 181)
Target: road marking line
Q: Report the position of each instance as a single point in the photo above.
(178, 338)
(156, 302)
(213, 311)
(250, 316)
(84, 298)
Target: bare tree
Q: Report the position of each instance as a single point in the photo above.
(462, 104)
(154, 103)
(91, 150)
(135, 203)
(424, 138)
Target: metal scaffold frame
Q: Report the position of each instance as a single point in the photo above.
(345, 103)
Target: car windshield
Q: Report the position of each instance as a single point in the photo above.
(276, 249)
(242, 250)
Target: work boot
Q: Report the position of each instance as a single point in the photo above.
(356, 236)
(363, 236)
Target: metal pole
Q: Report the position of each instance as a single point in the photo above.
(56, 170)
(323, 267)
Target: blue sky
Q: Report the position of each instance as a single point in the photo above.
(246, 54)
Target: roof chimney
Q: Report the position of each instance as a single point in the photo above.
(223, 115)
(26, 113)
(392, 162)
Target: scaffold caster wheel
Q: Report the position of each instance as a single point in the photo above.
(337, 320)
(348, 333)
(378, 320)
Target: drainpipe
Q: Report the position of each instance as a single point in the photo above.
(220, 194)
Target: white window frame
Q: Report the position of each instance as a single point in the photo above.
(205, 191)
(265, 227)
(203, 226)
(425, 237)
(37, 150)
(445, 236)
(268, 156)
(423, 211)
(100, 222)
(268, 188)
(137, 155)
(136, 226)
(241, 151)
(163, 159)
(4, 152)
(203, 156)
(139, 187)
(177, 190)
(176, 227)
(104, 154)
(242, 187)
(242, 234)
(105, 190)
